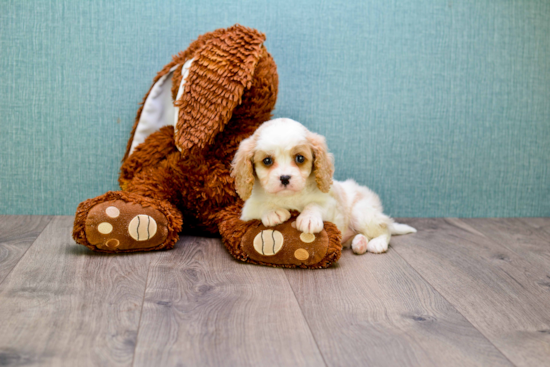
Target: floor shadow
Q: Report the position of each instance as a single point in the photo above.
(79, 250)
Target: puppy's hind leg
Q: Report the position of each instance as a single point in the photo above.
(379, 244)
(359, 244)
(372, 224)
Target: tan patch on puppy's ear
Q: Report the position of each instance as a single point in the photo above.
(242, 167)
(323, 166)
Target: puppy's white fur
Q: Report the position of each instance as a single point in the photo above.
(309, 189)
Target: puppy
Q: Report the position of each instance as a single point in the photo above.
(284, 166)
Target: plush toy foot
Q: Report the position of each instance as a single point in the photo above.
(282, 245)
(285, 245)
(125, 222)
(117, 225)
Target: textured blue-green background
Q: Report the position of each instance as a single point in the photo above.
(442, 107)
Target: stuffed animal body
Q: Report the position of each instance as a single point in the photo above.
(175, 175)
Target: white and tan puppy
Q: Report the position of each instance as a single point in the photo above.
(284, 166)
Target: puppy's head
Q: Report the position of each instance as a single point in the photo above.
(283, 155)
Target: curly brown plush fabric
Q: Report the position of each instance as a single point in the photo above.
(221, 71)
(180, 176)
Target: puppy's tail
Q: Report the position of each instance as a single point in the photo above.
(398, 228)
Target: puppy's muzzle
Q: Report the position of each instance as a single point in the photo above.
(285, 179)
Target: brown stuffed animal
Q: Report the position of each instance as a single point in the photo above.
(176, 171)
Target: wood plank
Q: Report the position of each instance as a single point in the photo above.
(542, 224)
(203, 308)
(526, 237)
(491, 285)
(64, 305)
(375, 310)
(17, 233)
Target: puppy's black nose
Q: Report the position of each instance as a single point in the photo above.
(285, 179)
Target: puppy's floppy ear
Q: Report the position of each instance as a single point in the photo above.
(242, 167)
(323, 166)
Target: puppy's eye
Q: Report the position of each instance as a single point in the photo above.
(300, 158)
(268, 161)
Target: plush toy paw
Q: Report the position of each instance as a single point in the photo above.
(122, 222)
(117, 225)
(284, 245)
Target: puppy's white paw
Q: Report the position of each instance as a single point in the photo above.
(378, 245)
(309, 223)
(278, 216)
(359, 244)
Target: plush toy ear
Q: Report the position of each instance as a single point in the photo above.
(323, 166)
(157, 111)
(220, 72)
(242, 168)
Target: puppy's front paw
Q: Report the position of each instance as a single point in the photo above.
(309, 223)
(272, 218)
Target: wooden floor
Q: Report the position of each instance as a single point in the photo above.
(457, 293)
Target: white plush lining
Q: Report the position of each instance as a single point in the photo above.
(158, 109)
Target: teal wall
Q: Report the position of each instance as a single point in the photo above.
(442, 107)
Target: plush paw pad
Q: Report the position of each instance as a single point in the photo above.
(117, 226)
(142, 227)
(112, 212)
(105, 228)
(112, 243)
(307, 237)
(268, 242)
(301, 254)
